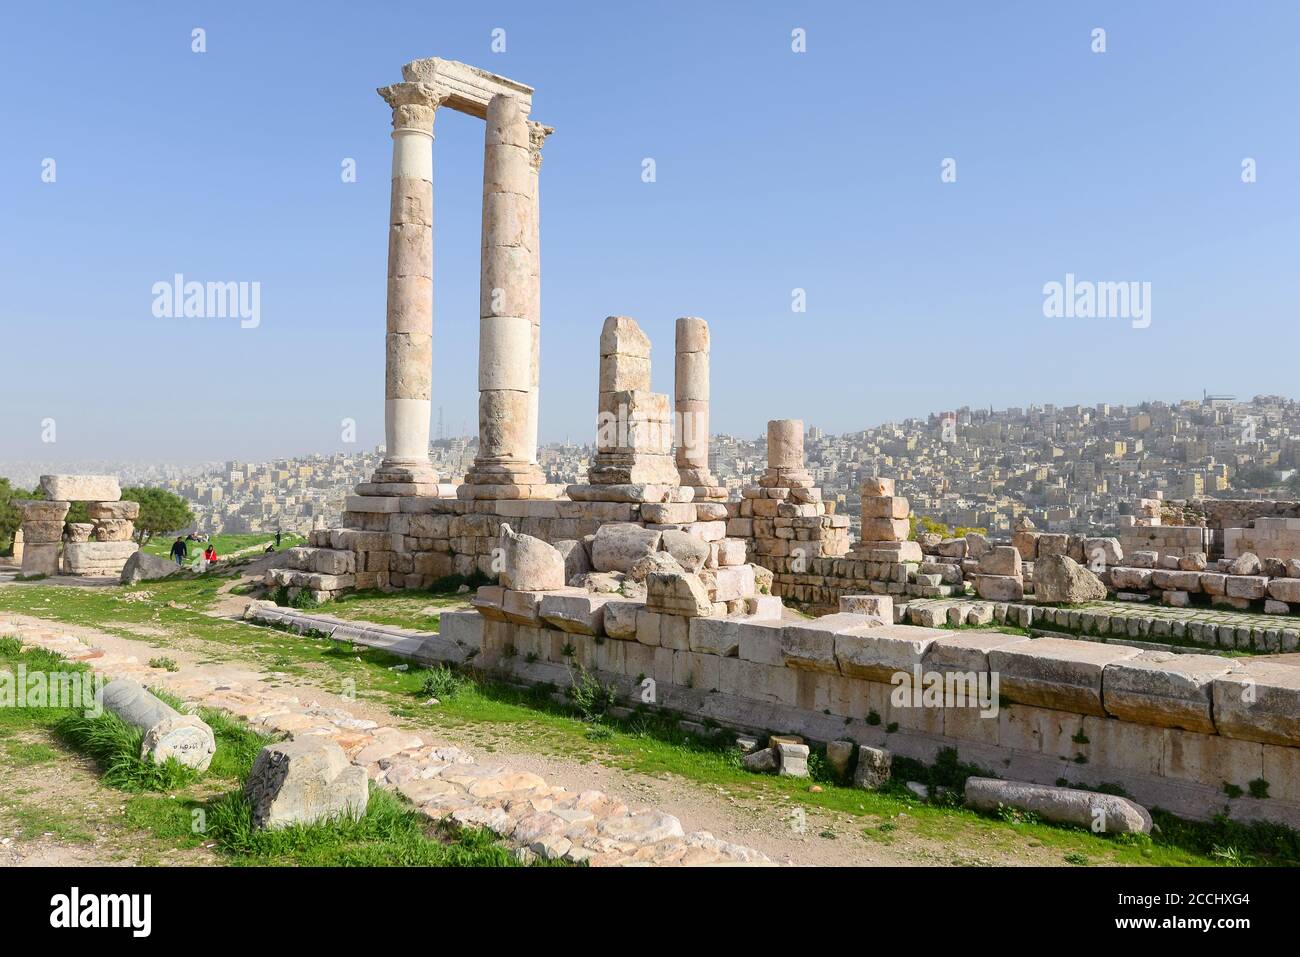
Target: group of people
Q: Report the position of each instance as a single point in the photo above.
(180, 552)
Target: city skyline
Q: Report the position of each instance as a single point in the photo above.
(12, 466)
(1070, 469)
(830, 165)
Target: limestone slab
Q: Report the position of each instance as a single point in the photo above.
(1056, 673)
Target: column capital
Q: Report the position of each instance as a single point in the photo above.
(414, 104)
(537, 133)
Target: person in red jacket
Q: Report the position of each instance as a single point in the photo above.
(210, 554)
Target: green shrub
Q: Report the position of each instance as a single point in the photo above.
(443, 683)
(592, 698)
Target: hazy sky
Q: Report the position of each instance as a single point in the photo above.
(775, 171)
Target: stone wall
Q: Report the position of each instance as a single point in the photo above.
(1271, 537)
(1175, 731)
(1175, 540)
(1240, 513)
(409, 542)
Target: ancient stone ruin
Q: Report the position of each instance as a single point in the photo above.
(99, 547)
(646, 572)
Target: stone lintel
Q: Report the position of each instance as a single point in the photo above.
(470, 89)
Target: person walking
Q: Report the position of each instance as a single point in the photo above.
(277, 538)
(179, 551)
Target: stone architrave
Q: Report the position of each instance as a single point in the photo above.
(81, 488)
(408, 374)
(304, 781)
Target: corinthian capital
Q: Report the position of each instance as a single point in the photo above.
(537, 134)
(413, 104)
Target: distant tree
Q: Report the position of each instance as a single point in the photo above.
(1255, 476)
(10, 517)
(161, 512)
(1293, 483)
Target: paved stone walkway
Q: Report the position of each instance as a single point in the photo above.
(441, 781)
(1208, 627)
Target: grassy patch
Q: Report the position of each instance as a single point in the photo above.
(390, 834)
(115, 747)
(443, 683)
(224, 544)
(418, 611)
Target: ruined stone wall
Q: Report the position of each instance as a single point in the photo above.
(409, 542)
(1175, 540)
(1276, 538)
(416, 540)
(1240, 513)
(1085, 712)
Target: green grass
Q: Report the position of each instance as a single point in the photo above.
(399, 609)
(390, 834)
(33, 822)
(225, 544)
(443, 683)
(115, 746)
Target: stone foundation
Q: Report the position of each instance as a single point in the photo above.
(1171, 730)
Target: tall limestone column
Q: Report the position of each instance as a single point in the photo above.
(537, 134)
(508, 304)
(408, 367)
(691, 395)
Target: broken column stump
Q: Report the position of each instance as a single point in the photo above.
(167, 732)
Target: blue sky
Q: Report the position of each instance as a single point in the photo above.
(775, 171)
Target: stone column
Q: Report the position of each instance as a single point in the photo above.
(785, 444)
(537, 134)
(42, 530)
(634, 426)
(507, 305)
(691, 405)
(408, 367)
